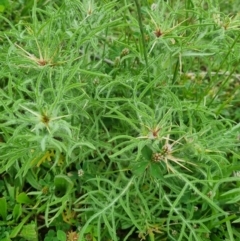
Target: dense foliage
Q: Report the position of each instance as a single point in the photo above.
(119, 121)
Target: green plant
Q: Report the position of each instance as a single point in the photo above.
(119, 122)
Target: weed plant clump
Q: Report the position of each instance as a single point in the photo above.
(120, 121)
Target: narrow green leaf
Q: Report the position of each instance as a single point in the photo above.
(3, 208)
(18, 228)
(196, 54)
(237, 220)
(17, 211)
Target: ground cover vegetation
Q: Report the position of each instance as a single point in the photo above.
(119, 120)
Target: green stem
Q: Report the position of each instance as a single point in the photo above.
(142, 34)
(144, 46)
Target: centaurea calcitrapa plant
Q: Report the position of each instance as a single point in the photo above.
(119, 121)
